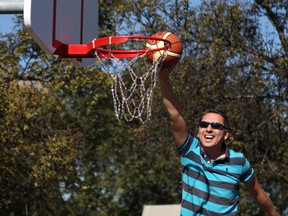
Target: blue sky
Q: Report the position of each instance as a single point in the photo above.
(6, 23)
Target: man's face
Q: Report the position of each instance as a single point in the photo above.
(209, 136)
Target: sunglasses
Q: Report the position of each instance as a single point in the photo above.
(214, 125)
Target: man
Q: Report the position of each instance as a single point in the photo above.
(211, 172)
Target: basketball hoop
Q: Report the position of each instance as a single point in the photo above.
(104, 47)
(134, 80)
(134, 77)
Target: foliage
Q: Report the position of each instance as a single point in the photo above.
(63, 152)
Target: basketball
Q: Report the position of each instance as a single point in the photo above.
(173, 54)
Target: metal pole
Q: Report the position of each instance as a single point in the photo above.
(11, 6)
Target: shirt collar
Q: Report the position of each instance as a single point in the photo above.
(221, 160)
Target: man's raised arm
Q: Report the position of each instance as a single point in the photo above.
(179, 127)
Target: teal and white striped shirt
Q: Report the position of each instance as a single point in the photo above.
(211, 187)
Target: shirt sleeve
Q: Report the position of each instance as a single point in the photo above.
(189, 144)
(248, 171)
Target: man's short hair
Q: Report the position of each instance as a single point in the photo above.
(226, 122)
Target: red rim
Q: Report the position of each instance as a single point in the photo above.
(97, 46)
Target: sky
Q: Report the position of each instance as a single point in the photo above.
(6, 23)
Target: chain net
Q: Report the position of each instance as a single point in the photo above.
(134, 80)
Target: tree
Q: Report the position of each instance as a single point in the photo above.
(43, 141)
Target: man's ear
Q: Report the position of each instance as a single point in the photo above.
(226, 135)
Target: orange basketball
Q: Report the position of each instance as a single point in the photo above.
(173, 55)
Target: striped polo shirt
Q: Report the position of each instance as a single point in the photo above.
(211, 187)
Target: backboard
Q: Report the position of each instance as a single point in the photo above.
(52, 23)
